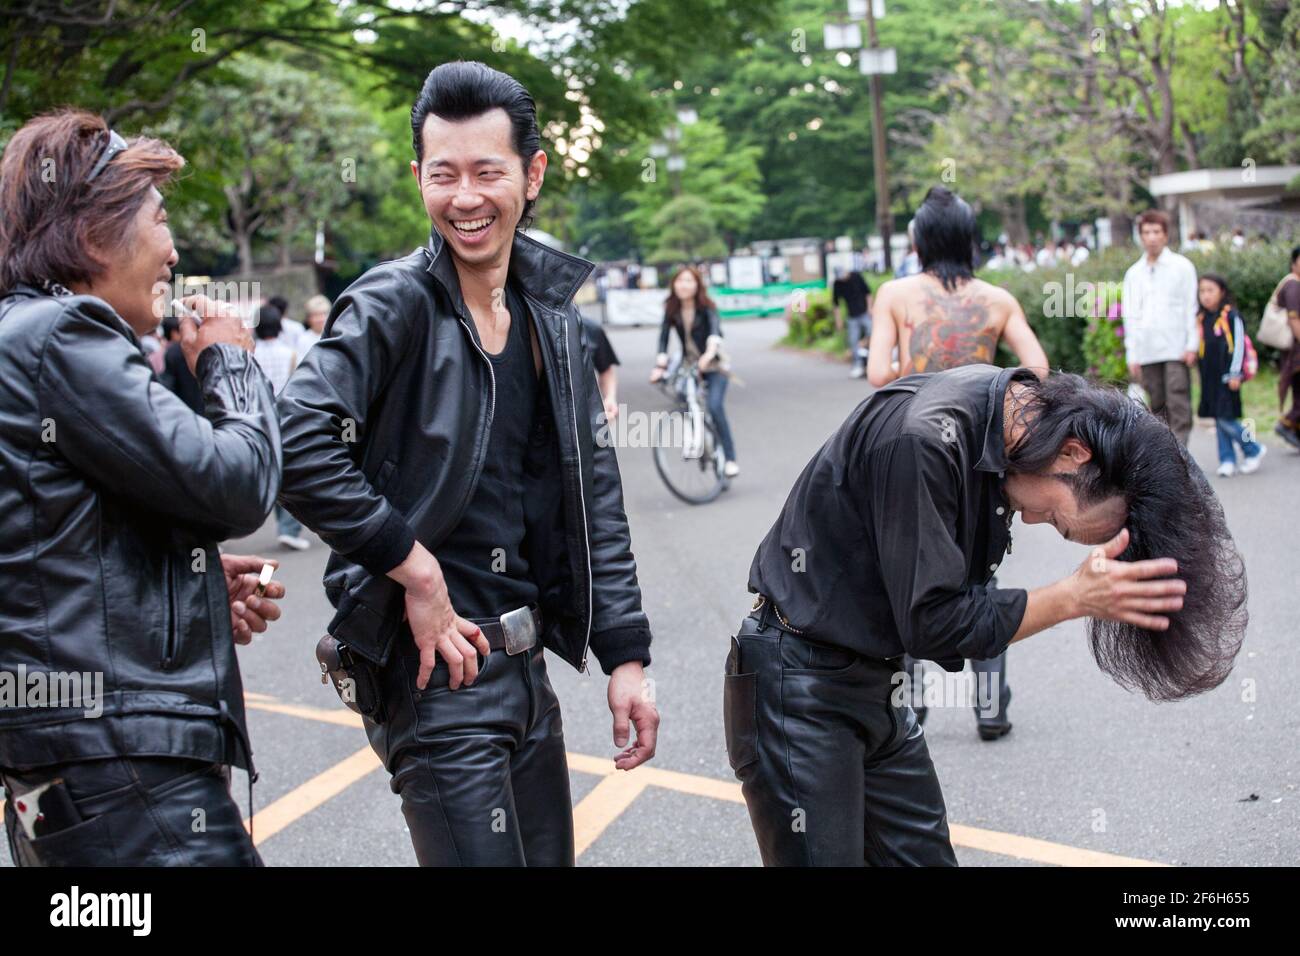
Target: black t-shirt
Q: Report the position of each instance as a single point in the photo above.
(602, 353)
(853, 292)
(483, 558)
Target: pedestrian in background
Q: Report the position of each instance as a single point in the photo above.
(1161, 330)
(852, 291)
(317, 310)
(605, 359)
(278, 360)
(1288, 299)
(1222, 356)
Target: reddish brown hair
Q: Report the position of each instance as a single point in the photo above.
(1155, 217)
(673, 305)
(50, 217)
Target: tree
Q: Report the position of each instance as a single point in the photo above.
(721, 175)
(685, 232)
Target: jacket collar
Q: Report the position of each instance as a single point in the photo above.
(547, 275)
(994, 457)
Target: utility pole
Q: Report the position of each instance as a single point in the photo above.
(883, 216)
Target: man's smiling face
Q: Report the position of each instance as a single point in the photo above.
(475, 185)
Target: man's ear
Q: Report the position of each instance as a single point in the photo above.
(1074, 453)
(415, 171)
(536, 173)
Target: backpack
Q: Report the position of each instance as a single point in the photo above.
(1274, 329)
(1250, 358)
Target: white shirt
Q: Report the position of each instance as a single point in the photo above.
(1160, 309)
(276, 359)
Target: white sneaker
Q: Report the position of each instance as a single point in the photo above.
(1251, 464)
(731, 469)
(857, 372)
(295, 543)
(1227, 470)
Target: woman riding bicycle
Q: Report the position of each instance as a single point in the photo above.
(690, 312)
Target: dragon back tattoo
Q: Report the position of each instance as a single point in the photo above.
(954, 329)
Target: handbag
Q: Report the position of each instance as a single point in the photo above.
(1274, 329)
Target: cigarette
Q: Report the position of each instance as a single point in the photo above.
(264, 579)
(183, 309)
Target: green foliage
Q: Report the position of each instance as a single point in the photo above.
(685, 232)
(721, 181)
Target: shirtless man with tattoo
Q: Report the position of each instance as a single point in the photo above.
(944, 317)
(939, 319)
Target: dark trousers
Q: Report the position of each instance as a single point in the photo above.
(716, 387)
(1170, 386)
(832, 762)
(481, 770)
(136, 811)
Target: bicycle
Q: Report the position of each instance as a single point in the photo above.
(688, 449)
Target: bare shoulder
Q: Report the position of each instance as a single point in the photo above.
(998, 299)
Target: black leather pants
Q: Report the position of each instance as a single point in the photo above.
(481, 770)
(136, 811)
(833, 771)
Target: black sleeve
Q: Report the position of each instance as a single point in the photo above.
(663, 336)
(116, 421)
(324, 412)
(620, 631)
(603, 356)
(914, 492)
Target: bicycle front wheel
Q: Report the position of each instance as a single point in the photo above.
(689, 458)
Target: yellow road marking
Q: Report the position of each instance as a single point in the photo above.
(616, 792)
(302, 800)
(605, 804)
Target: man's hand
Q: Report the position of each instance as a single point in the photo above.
(222, 323)
(1135, 372)
(1135, 592)
(611, 409)
(1234, 384)
(248, 612)
(631, 699)
(1189, 359)
(438, 629)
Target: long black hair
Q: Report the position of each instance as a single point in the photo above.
(465, 89)
(1172, 513)
(944, 234)
(1226, 301)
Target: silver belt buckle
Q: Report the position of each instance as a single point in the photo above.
(520, 630)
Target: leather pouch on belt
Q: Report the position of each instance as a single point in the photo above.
(353, 677)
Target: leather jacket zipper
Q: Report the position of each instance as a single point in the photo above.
(492, 407)
(169, 633)
(582, 500)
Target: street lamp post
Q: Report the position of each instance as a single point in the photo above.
(873, 61)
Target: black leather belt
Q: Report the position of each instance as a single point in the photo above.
(514, 631)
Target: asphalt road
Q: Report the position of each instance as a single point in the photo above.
(1089, 769)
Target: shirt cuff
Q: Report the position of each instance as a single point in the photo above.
(619, 645)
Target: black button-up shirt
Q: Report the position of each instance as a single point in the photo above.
(889, 537)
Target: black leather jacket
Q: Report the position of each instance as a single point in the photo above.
(113, 495)
(385, 426)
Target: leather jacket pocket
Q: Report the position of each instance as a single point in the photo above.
(740, 711)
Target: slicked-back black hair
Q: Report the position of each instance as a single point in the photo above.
(465, 89)
(944, 235)
(1172, 513)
